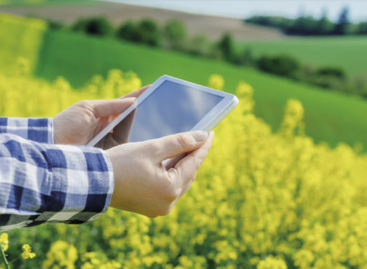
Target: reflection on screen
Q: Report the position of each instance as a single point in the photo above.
(171, 108)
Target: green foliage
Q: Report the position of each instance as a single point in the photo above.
(271, 21)
(93, 26)
(342, 26)
(245, 58)
(262, 199)
(226, 47)
(331, 71)
(127, 31)
(362, 28)
(198, 45)
(346, 52)
(304, 25)
(175, 33)
(281, 65)
(330, 116)
(308, 25)
(147, 32)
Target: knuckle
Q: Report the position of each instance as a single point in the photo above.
(83, 103)
(154, 148)
(183, 140)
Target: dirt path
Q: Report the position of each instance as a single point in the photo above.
(213, 27)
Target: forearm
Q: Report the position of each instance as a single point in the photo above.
(48, 183)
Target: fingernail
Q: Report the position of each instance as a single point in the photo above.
(199, 135)
(132, 99)
(212, 135)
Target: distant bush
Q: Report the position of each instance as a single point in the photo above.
(93, 26)
(271, 21)
(126, 31)
(245, 58)
(362, 28)
(148, 32)
(145, 32)
(175, 33)
(308, 25)
(198, 45)
(226, 47)
(281, 65)
(335, 72)
(54, 25)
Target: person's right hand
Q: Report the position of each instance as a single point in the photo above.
(143, 184)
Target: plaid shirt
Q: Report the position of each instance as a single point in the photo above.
(42, 182)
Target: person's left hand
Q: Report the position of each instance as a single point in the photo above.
(80, 123)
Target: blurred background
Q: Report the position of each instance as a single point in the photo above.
(314, 51)
(300, 70)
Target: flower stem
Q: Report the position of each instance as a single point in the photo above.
(4, 258)
(14, 260)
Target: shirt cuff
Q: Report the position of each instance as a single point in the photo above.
(82, 184)
(35, 129)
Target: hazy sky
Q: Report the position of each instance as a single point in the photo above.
(246, 8)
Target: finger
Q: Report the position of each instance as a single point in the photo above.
(121, 132)
(104, 108)
(185, 170)
(137, 93)
(170, 146)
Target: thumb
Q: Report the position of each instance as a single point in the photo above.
(173, 145)
(104, 108)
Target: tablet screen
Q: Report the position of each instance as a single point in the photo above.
(171, 108)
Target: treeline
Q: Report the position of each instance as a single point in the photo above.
(310, 26)
(173, 35)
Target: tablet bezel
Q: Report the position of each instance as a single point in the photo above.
(208, 122)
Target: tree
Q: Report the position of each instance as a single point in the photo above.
(147, 32)
(246, 58)
(341, 27)
(324, 26)
(362, 28)
(226, 47)
(281, 65)
(126, 31)
(93, 26)
(199, 45)
(176, 34)
(304, 25)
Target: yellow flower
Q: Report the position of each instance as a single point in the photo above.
(4, 241)
(27, 252)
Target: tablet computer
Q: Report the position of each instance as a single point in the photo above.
(170, 106)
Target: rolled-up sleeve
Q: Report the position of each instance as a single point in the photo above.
(42, 183)
(34, 129)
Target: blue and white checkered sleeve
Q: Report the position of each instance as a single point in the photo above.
(35, 129)
(42, 183)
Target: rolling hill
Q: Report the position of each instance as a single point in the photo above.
(331, 117)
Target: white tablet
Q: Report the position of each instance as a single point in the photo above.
(170, 106)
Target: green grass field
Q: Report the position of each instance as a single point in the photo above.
(330, 116)
(349, 53)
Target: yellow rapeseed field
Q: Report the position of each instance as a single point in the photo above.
(261, 199)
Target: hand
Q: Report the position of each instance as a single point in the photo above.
(78, 124)
(143, 184)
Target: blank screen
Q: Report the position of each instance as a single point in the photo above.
(171, 108)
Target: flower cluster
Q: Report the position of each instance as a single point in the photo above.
(260, 200)
(4, 246)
